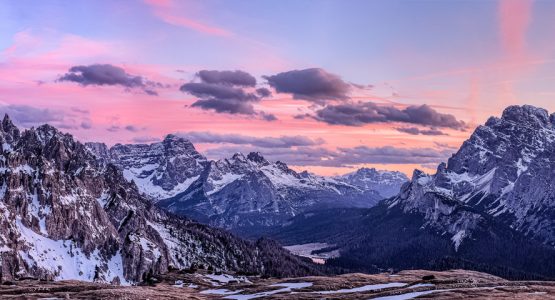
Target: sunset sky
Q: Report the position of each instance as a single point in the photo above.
(327, 86)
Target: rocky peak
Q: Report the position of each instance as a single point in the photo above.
(256, 157)
(161, 169)
(367, 171)
(283, 166)
(175, 145)
(9, 133)
(521, 133)
(417, 174)
(238, 157)
(45, 133)
(526, 114)
(305, 174)
(387, 183)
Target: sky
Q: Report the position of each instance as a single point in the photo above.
(326, 86)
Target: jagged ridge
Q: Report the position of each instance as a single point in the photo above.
(242, 193)
(66, 215)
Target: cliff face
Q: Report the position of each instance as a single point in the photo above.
(505, 170)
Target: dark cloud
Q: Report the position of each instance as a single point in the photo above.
(230, 106)
(263, 92)
(131, 128)
(86, 124)
(358, 114)
(134, 128)
(310, 84)
(341, 157)
(102, 75)
(268, 117)
(238, 78)
(217, 91)
(446, 146)
(80, 110)
(417, 131)
(113, 128)
(262, 142)
(224, 92)
(151, 92)
(105, 74)
(389, 155)
(303, 116)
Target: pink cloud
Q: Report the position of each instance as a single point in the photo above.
(165, 10)
(514, 18)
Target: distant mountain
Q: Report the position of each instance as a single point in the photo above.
(160, 170)
(242, 193)
(65, 214)
(386, 183)
(246, 193)
(490, 208)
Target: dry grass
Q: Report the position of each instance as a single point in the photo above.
(454, 284)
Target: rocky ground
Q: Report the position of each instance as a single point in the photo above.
(455, 284)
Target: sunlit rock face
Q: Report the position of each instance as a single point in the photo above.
(506, 169)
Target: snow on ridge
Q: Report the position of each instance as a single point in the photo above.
(221, 183)
(146, 186)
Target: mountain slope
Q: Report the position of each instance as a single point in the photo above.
(490, 208)
(64, 214)
(507, 170)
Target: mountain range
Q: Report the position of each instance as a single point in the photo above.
(244, 193)
(121, 214)
(65, 214)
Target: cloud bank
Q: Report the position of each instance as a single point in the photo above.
(361, 113)
(262, 142)
(340, 157)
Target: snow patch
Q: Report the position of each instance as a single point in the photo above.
(407, 296)
(458, 238)
(220, 292)
(286, 287)
(64, 259)
(370, 287)
(219, 184)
